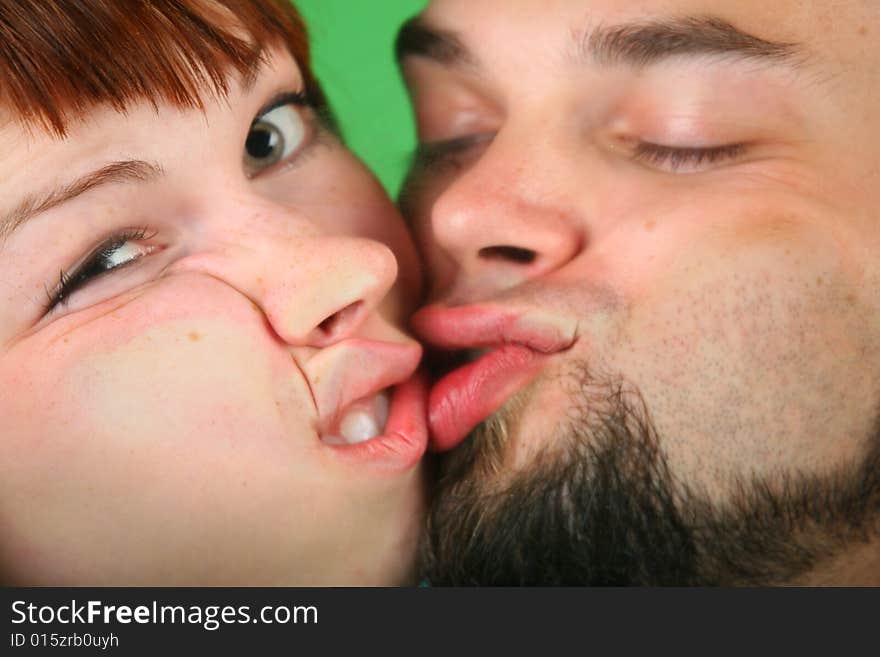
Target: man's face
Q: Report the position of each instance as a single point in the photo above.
(188, 337)
(681, 198)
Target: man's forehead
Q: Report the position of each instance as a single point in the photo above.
(834, 41)
(804, 21)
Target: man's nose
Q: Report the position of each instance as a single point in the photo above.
(504, 222)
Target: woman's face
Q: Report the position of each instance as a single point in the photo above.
(197, 323)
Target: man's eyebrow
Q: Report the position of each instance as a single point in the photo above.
(125, 171)
(638, 44)
(418, 39)
(647, 43)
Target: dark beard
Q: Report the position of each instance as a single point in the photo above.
(601, 508)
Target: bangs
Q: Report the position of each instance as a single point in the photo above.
(60, 59)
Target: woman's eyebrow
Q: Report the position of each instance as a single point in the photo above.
(126, 171)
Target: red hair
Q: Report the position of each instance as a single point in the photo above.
(61, 58)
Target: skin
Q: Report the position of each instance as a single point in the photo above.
(737, 296)
(158, 427)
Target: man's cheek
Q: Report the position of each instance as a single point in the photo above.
(768, 257)
(721, 300)
(732, 296)
(738, 325)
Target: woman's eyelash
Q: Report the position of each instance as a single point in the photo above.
(675, 158)
(305, 100)
(298, 98)
(69, 282)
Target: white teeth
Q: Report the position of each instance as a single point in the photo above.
(358, 426)
(364, 420)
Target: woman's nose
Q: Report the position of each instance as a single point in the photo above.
(318, 290)
(324, 295)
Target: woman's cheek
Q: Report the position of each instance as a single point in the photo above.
(182, 382)
(165, 369)
(144, 418)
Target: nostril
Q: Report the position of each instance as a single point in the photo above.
(339, 321)
(511, 253)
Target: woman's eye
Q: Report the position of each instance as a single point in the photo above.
(117, 252)
(686, 159)
(274, 137)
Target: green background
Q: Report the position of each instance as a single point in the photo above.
(352, 45)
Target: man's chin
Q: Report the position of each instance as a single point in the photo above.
(592, 501)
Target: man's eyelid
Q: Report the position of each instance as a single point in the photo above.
(464, 125)
(455, 110)
(688, 148)
(430, 155)
(462, 142)
(632, 141)
(678, 159)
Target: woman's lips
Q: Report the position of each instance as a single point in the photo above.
(519, 344)
(405, 438)
(371, 403)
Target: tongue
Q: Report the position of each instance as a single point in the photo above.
(464, 398)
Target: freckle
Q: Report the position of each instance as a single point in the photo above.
(195, 337)
(650, 225)
(863, 30)
(66, 341)
(820, 281)
(850, 299)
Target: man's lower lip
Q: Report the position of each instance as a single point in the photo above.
(405, 438)
(465, 397)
